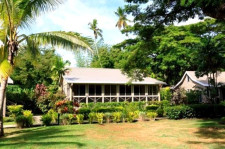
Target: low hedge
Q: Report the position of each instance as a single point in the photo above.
(196, 110)
(152, 107)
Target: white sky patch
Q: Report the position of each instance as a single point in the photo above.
(74, 15)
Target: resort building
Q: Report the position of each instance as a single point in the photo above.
(108, 85)
(189, 82)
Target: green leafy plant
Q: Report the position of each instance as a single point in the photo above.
(160, 111)
(91, 117)
(29, 118)
(152, 107)
(132, 116)
(100, 117)
(21, 121)
(222, 120)
(117, 116)
(166, 94)
(80, 118)
(46, 119)
(15, 110)
(67, 118)
(8, 119)
(53, 114)
(142, 115)
(108, 117)
(152, 115)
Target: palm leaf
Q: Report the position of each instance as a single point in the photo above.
(5, 69)
(67, 40)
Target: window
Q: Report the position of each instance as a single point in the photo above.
(136, 89)
(125, 90)
(95, 90)
(91, 90)
(110, 90)
(139, 89)
(153, 90)
(79, 89)
(188, 78)
(98, 90)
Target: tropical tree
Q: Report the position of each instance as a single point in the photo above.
(122, 22)
(19, 14)
(97, 32)
(59, 70)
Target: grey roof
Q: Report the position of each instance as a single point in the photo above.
(203, 81)
(102, 76)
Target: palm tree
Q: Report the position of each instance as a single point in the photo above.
(59, 70)
(19, 14)
(122, 22)
(97, 32)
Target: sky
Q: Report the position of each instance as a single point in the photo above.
(74, 15)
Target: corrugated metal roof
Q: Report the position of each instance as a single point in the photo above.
(102, 76)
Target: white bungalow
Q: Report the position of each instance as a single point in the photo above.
(108, 85)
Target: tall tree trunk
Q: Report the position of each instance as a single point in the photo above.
(2, 98)
(12, 48)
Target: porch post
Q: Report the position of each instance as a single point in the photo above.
(146, 93)
(117, 92)
(132, 92)
(103, 93)
(86, 92)
(71, 93)
(159, 88)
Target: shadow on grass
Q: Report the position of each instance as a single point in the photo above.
(42, 136)
(210, 129)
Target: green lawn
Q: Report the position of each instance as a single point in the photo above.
(194, 133)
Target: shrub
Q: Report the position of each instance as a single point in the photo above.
(193, 96)
(80, 118)
(152, 115)
(21, 121)
(160, 111)
(165, 103)
(91, 117)
(222, 120)
(84, 111)
(132, 116)
(53, 114)
(152, 107)
(8, 119)
(142, 115)
(117, 116)
(15, 110)
(165, 93)
(179, 97)
(99, 117)
(46, 119)
(108, 116)
(179, 112)
(67, 119)
(29, 118)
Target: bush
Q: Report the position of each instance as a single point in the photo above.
(179, 97)
(152, 107)
(142, 115)
(152, 115)
(8, 119)
(99, 117)
(108, 116)
(29, 118)
(46, 119)
(165, 94)
(67, 119)
(132, 116)
(179, 112)
(84, 111)
(193, 96)
(91, 117)
(21, 121)
(53, 114)
(222, 120)
(80, 118)
(117, 116)
(160, 111)
(208, 110)
(15, 110)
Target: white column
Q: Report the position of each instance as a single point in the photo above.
(146, 93)
(86, 92)
(132, 92)
(159, 88)
(103, 93)
(117, 92)
(4, 106)
(71, 92)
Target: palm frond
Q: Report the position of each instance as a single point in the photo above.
(5, 69)
(30, 9)
(67, 40)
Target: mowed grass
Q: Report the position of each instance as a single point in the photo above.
(174, 134)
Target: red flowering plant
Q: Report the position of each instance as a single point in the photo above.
(64, 106)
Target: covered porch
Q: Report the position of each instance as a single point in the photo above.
(86, 93)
